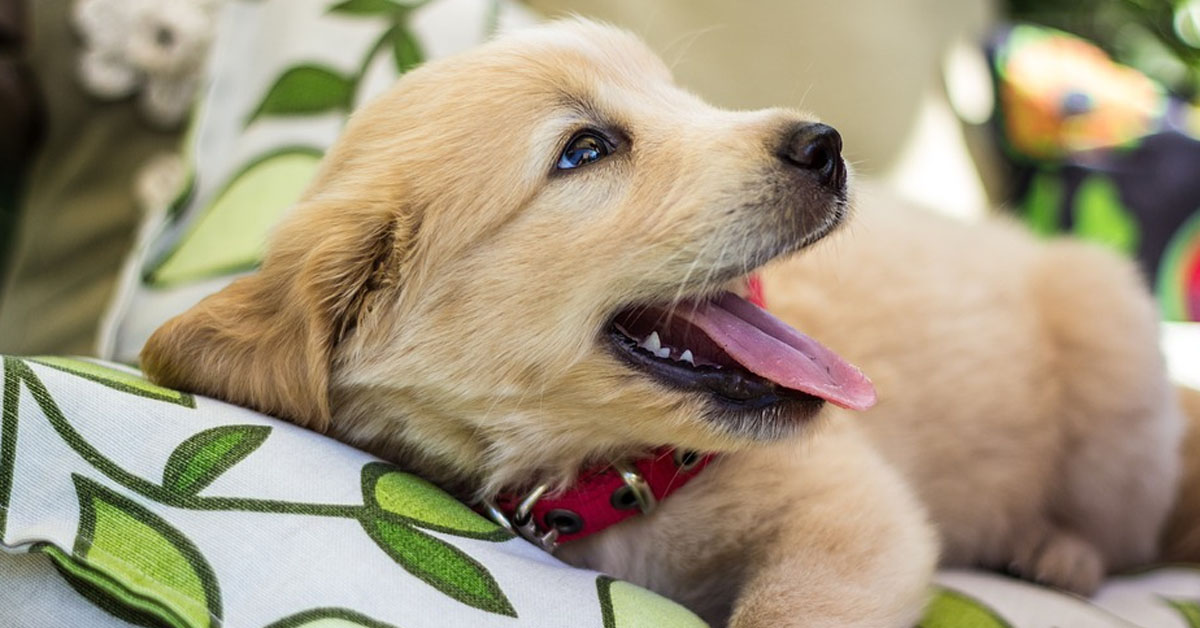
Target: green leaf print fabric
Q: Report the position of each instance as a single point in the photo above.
(201, 458)
(156, 508)
(127, 504)
(142, 555)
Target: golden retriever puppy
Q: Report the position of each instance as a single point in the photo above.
(522, 261)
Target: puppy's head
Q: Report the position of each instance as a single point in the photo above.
(518, 259)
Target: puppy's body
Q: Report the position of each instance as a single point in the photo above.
(1181, 542)
(1021, 391)
(449, 294)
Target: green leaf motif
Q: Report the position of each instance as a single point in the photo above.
(441, 565)
(106, 594)
(306, 90)
(393, 494)
(1188, 609)
(199, 460)
(951, 609)
(329, 618)
(624, 605)
(13, 370)
(367, 7)
(231, 234)
(395, 502)
(116, 379)
(134, 551)
(406, 50)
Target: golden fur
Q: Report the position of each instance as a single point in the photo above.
(1181, 541)
(1022, 393)
(437, 295)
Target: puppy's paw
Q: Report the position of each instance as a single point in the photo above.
(1063, 560)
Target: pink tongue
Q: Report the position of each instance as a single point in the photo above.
(769, 348)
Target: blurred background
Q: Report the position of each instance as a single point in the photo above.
(148, 146)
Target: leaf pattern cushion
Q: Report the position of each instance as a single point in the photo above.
(162, 508)
(123, 503)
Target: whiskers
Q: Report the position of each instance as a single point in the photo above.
(679, 47)
(682, 288)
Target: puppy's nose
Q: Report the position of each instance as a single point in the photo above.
(816, 148)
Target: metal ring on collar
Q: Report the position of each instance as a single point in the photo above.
(641, 489)
(521, 523)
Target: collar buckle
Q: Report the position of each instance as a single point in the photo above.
(522, 523)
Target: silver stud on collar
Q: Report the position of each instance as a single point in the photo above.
(522, 523)
(639, 486)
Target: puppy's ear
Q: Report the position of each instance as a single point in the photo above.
(266, 341)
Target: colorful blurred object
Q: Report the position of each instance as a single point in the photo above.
(1061, 94)
(1159, 38)
(1179, 278)
(1103, 152)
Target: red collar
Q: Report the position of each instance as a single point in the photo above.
(603, 496)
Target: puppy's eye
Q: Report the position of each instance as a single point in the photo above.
(582, 150)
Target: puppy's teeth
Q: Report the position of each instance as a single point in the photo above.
(652, 343)
(665, 352)
(686, 356)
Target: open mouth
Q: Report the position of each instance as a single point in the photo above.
(736, 352)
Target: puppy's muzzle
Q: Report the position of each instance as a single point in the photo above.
(816, 149)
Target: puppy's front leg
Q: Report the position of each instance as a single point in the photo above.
(852, 547)
(815, 532)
